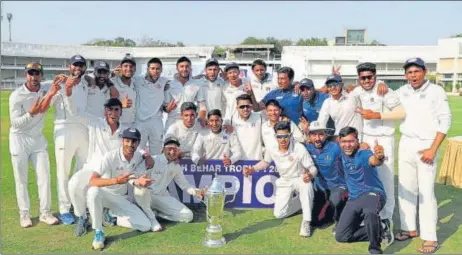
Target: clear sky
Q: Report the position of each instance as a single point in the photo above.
(194, 23)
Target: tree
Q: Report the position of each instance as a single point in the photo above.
(147, 41)
(457, 36)
(313, 41)
(117, 42)
(253, 41)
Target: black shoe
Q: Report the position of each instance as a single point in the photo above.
(387, 235)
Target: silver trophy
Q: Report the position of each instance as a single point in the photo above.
(215, 203)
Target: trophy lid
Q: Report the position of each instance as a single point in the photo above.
(216, 186)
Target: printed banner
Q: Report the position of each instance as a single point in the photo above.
(255, 191)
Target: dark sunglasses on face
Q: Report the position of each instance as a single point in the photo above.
(279, 137)
(366, 77)
(33, 73)
(332, 84)
(245, 106)
(102, 71)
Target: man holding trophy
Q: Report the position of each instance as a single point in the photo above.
(296, 170)
(166, 168)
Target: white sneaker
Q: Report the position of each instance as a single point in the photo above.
(25, 221)
(305, 229)
(98, 240)
(49, 219)
(155, 226)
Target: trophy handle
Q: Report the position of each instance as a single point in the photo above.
(233, 192)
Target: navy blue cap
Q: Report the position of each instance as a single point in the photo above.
(414, 62)
(101, 65)
(308, 83)
(78, 59)
(211, 62)
(128, 58)
(334, 77)
(131, 133)
(230, 66)
(171, 140)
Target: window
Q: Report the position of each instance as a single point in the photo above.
(447, 76)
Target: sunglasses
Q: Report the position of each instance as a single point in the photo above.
(245, 106)
(33, 73)
(366, 77)
(279, 137)
(333, 84)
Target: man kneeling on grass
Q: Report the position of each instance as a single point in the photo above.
(296, 171)
(109, 188)
(366, 193)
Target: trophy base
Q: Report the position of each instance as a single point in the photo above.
(215, 243)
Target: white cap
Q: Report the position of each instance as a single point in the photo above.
(316, 126)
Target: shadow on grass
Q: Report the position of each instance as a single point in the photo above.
(259, 226)
(449, 201)
(124, 236)
(200, 212)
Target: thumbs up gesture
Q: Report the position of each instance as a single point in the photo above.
(126, 102)
(378, 151)
(226, 160)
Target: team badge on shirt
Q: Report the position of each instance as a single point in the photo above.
(224, 140)
(422, 96)
(291, 158)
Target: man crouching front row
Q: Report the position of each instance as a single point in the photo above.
(123, 169)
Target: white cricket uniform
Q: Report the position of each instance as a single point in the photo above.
(343, 112)
(230, 93)
(128, 114)
(262, 87)
(291, 166)
(216, 145)
(186, 136)
(213, 94)
(71, 139)
(427, 112)
(27, 143)
(96, 99)
(382, 131)
(150, 98)
(115, 197)
(249, 135)
(191, 91)
(269, 138)
(167, 206)
(101, 141)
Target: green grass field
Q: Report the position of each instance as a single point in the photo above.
(247, 231)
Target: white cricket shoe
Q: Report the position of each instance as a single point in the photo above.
(25, 221)
(155, 226)
(49, 219)
(305, 229)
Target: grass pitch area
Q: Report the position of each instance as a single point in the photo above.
(247, 231)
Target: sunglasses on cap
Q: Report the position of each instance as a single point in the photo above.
(333, 84)
(366, 77)
(34, 66)
(285, 136)
(245, 106)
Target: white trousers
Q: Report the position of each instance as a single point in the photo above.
(152, 131)
(78, 187)
(70, 140)
(168, 207)
(285, 205)
(417, 184)
(128, 214)
(386, 171)
(23, 149)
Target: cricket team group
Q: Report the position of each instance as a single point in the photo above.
(338, 139)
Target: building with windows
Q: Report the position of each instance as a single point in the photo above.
(315, 62)
(55, 58)
(449, 66)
